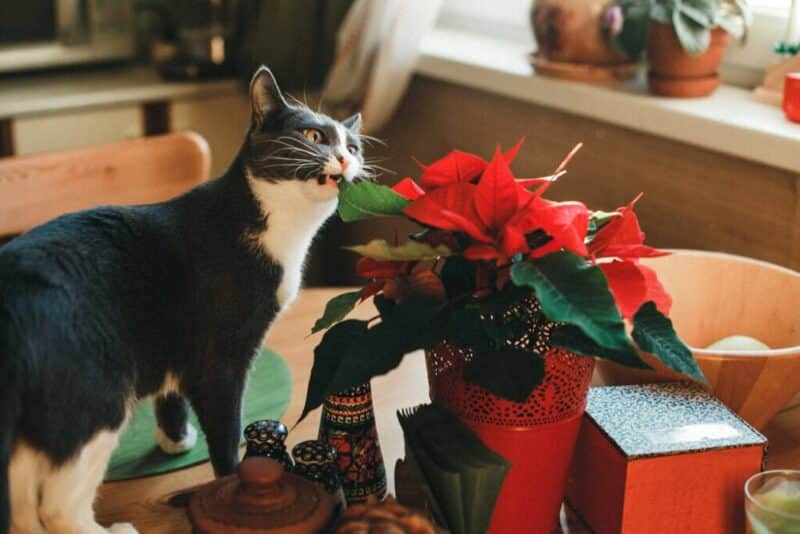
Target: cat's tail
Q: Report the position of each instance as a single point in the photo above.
(9, 410)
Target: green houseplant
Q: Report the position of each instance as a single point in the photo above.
(686, 42)
(506, 292)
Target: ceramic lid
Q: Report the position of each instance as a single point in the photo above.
(260, 499)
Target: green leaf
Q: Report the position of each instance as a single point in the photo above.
(508, 373)
(328, 358)
(380, 249)
(573, 291)
(366, 199)
(350, 354)
(653, 332)
(465, 328)
(660, 13)
(633, 38)
(701, 17)
(458, 276)
(732, 24)
(412, 325)
(599, 219)
(573, 339)
(383, 304)
(693, 37)
(336, 310)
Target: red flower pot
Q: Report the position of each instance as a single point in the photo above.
(537, 436)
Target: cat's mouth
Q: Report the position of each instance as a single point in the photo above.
(330, 179)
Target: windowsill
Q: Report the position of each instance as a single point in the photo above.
(729, 121)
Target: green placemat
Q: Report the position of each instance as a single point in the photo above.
(267, 397)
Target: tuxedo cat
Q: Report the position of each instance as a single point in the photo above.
(102, 308)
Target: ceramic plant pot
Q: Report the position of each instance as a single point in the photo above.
(537, 436)
(675, 73)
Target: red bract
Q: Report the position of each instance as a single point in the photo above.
(623, 238)
(459, 167)
(497, 214)
(450, 208)
(633, 284)
(380, 270)
(565, 222)
(371, 268)
(408, 189)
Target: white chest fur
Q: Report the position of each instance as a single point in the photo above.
(295, 210)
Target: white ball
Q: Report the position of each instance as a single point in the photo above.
(738, 343)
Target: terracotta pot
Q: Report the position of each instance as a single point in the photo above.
(675, 73)
(572, 31)
(537, 436)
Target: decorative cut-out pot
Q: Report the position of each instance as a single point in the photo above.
(675, 73)
(537, 436)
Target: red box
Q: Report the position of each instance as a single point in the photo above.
(662, 459)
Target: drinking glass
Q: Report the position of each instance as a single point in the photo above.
(772, 502)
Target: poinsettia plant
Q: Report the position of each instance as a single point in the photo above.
(488, 239)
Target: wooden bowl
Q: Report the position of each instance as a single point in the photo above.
(718, 295)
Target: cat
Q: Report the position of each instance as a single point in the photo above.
(104, 307)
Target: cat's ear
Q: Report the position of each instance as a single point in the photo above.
(353, 123)
(265, 95)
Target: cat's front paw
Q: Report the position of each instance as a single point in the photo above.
(177, 447)
(122, 528)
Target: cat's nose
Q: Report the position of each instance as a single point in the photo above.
(343, 162)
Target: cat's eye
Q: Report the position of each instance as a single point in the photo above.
(353, 149)
(314, 135)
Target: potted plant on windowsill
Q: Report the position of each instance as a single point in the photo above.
(507, 293)
(686, 41)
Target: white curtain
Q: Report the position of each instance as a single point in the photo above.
(377, 48)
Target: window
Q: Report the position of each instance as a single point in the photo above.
(744, 65)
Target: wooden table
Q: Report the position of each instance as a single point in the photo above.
(146, 502)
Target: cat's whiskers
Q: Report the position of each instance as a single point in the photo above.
(292, 146)
(372, 140)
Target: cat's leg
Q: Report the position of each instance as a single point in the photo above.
(25, 473)
(174, 433)
(68, 492)
(218, 407)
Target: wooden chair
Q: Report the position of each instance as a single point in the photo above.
(37, 188)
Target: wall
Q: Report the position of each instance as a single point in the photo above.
(694, 198)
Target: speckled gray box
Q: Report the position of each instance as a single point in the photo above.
(662, 458)
(657, 419)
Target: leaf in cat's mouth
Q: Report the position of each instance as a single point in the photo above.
(327, 179)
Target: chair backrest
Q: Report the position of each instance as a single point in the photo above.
(37, 188)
